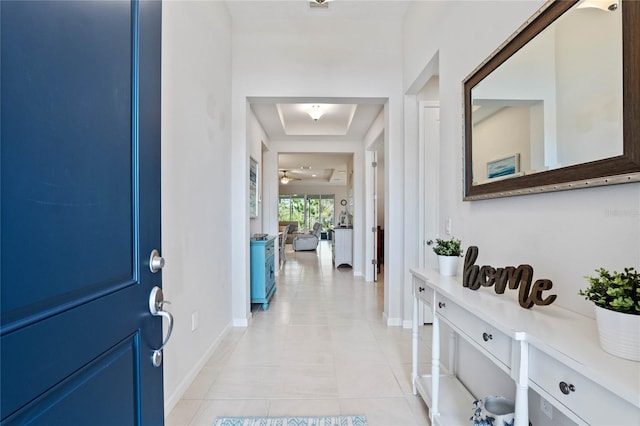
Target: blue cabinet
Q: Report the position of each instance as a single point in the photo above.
(263, 277)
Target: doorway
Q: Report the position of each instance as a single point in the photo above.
(285, 126)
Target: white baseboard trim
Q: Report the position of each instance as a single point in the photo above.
(394, 322)
(407, 324)
(172, 400)
(240, 322)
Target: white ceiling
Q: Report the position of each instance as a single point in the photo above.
(331, 119)
(302, 9)
(344, 119)
(316, 169)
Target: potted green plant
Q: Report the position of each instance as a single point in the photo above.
(617, 302)
(449, 252)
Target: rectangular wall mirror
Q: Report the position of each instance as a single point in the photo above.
(557, 106)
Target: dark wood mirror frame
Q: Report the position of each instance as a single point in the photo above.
(620, 169)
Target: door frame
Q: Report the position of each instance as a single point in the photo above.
(428, 182)
(428, 188)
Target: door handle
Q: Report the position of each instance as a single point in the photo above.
(156, 304)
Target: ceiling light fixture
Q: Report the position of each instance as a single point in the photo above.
(610, 5)
(284, 180)
(315, 112)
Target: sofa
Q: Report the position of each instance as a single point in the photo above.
(293, 230)
(308, 241)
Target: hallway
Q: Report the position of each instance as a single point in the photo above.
(321, 348)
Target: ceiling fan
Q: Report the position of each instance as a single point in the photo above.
(284, 179)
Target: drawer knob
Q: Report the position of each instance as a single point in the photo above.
(421, 289)
(566, 388)
(486, 337)
(441, 305)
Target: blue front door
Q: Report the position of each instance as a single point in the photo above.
(80, 180)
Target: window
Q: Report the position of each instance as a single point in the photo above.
(326, 214)
(297, 210)
(313, 209)
(307, 209)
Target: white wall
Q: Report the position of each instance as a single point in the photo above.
(563, 235)
(359, 58)
(196, 153)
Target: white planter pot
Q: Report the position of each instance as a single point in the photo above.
(448, 265)
(619, 333)
(497, 408)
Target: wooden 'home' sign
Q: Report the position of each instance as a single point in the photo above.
(516, 278)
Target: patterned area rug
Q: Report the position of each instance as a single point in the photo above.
(291, 421)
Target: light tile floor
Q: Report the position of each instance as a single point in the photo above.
(322, 348)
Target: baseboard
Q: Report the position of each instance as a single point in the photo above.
(242, 322)
(391, 322)
(394, 322)
(407, 324)
(172, 400)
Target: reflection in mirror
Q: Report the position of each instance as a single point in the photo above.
(553, 103)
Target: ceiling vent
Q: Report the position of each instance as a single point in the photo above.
(319, 4)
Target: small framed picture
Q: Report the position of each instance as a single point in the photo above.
(253, 188)
(503, 166)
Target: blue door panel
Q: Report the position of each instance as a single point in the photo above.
(80, 212)
(62, 343)
(100, 386)
(66, 150)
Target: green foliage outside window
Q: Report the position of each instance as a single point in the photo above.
(326, 212)
(297, 211)
(307, 209)
(284, 209)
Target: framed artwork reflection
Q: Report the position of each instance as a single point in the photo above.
(253, 188)
(503, 166)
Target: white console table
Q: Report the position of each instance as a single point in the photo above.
(549, 349)
(342, 246)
